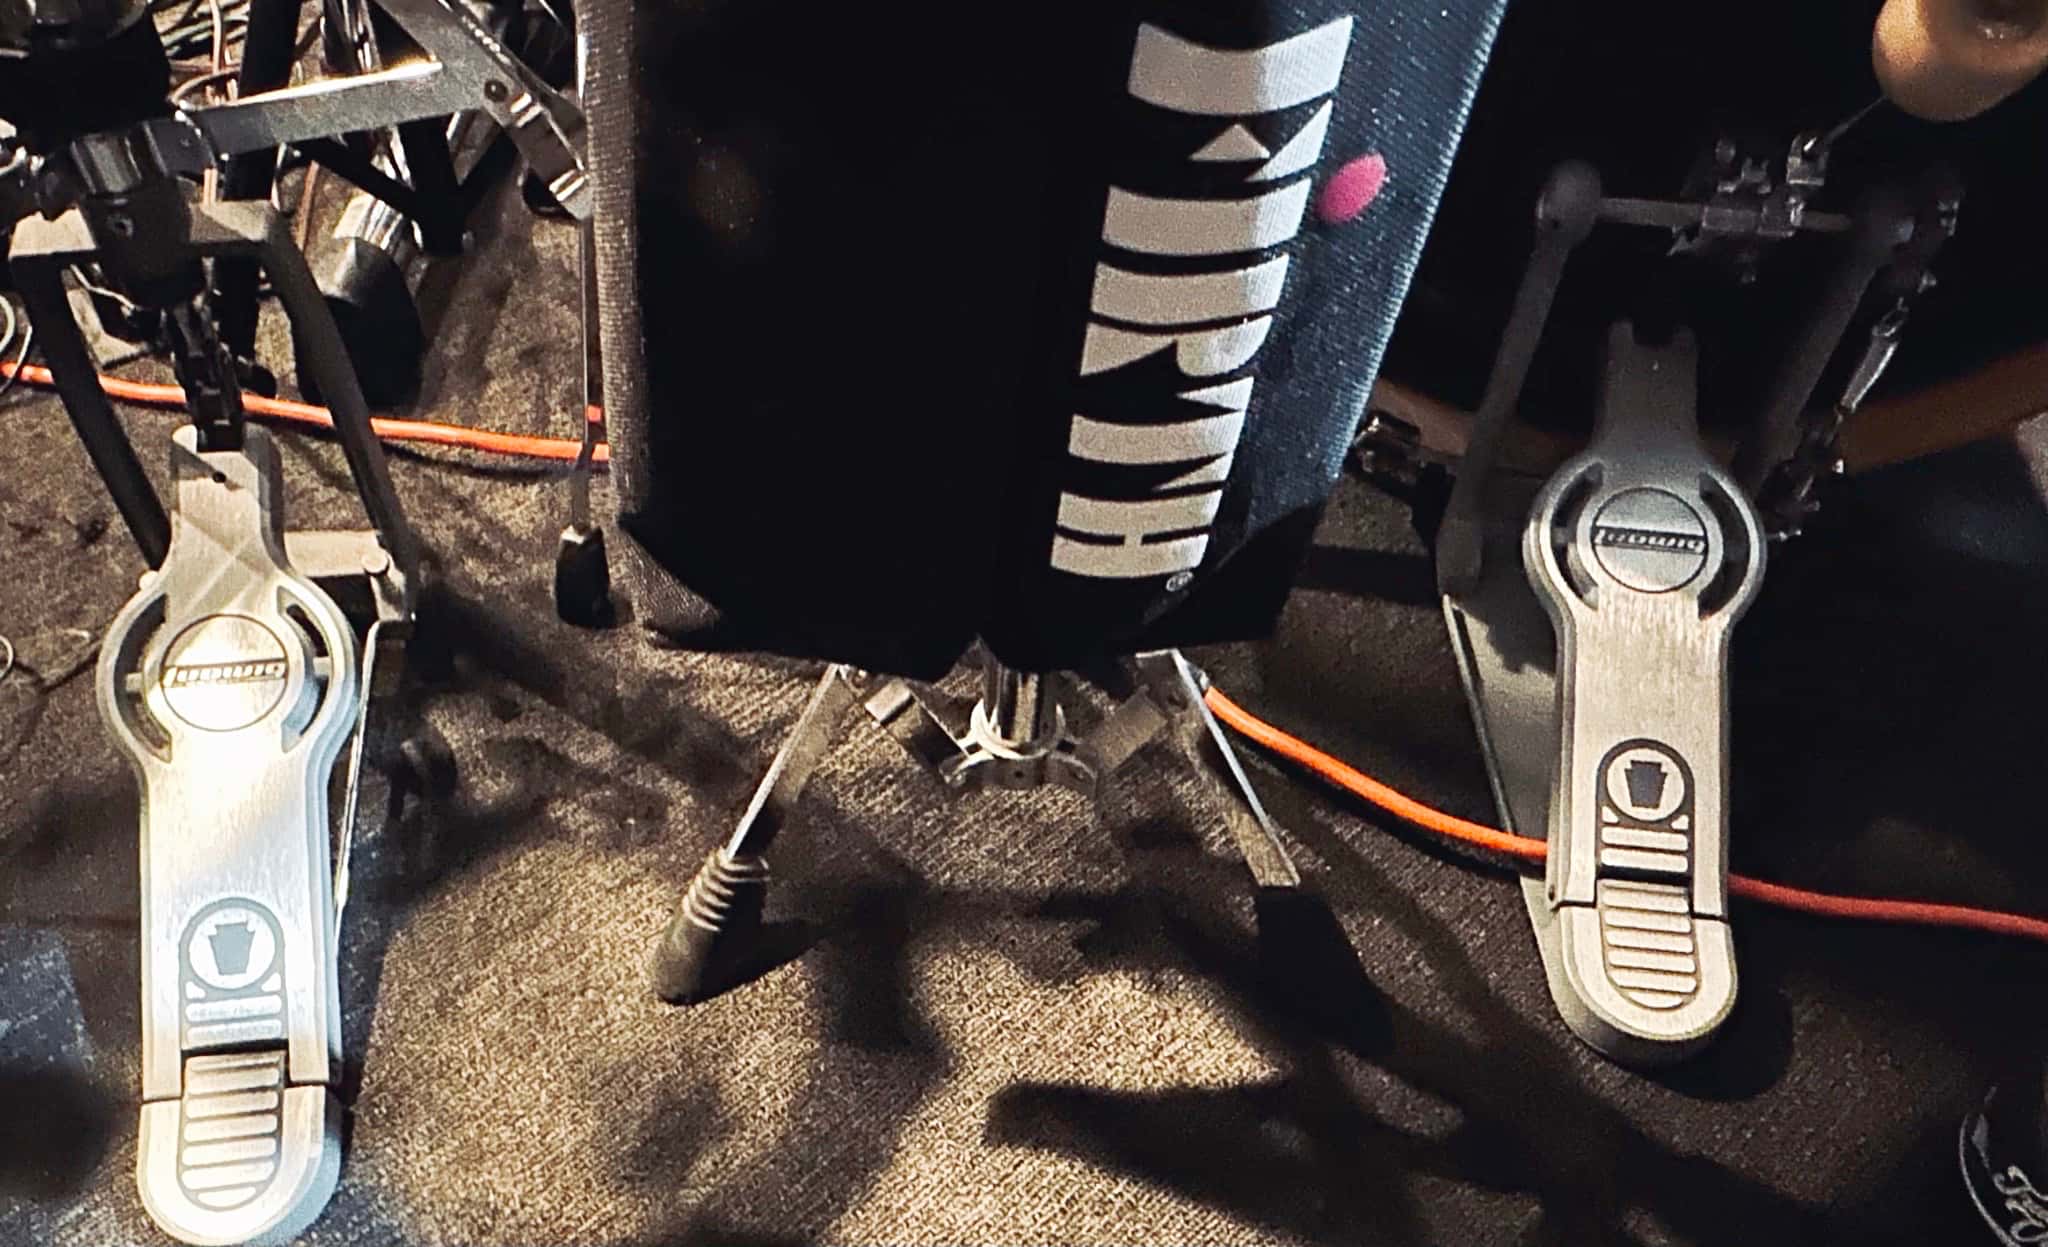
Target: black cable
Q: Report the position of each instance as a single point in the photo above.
(426, 454)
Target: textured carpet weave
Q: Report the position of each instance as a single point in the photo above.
(1022, 1019)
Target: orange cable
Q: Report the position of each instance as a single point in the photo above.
(520, 445)
(1828, 905)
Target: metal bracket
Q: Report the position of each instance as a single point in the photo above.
(1017, 737)
(471, 69)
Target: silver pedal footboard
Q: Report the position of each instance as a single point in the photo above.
(231, 682)
(1645, 553)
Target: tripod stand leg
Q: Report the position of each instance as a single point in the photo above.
(721, 912)
(1174, 683)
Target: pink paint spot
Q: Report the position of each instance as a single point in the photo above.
(1352, 189)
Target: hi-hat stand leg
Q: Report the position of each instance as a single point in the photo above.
(1179, 685)
(721, 911)
(1169, 700)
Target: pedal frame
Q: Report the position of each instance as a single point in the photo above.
(1501, 635)
(43, 249)
(235, 809)
(384, 558)
(1622, 548)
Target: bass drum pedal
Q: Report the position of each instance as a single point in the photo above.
(232, 683)
(1644, 553)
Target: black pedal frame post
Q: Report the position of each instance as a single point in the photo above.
(41, 251)
(440, 210)
(266, 65)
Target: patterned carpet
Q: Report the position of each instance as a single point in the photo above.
(1017, 1019)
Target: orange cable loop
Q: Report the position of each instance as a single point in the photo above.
(1824, 904)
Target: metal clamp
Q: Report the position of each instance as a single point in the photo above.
(1644, 552)
(232, 683)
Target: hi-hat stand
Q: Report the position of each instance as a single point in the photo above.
(418, 186)
(1018, 735)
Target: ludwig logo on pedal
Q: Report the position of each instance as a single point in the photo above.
(1650, 540)
(1189, 274)
(2026, 1204)
(224, 673)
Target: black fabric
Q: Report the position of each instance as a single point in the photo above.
(866, 258)
(129, 79)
